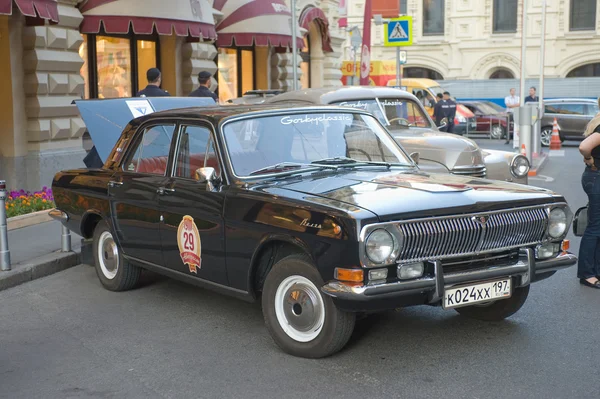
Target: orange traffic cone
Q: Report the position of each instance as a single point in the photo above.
(523, 150)
(555, 143)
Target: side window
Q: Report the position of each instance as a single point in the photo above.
(152, 152)
(196, 150)
(572, 109)
(592, 109)
(549, 109)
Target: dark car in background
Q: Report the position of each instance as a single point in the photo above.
(490, 118)
(572, 115)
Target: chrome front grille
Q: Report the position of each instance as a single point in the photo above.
(475, 171)
(456, 236)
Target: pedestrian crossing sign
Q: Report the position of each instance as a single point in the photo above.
(398, 32)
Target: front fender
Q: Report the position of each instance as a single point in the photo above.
(498, 165)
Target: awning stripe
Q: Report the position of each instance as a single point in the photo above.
(317, 15)
(243, 24)
(45, 9)
(146, 26)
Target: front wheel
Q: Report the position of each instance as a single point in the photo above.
(546, 136)
(498, 310)
(497, 132)
(301, 320)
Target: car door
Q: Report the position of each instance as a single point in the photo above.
(133, 192)
(572, 116)
(192, 232)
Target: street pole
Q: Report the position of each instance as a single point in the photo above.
(294, 48)
(523, 52)
(398, 76)
(354, 68)
(537, 145)
(4, 251)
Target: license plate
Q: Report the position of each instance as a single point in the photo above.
(477, 293)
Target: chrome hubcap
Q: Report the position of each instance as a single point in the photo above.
(108, 255)
(497, 132)
(546, 135)
(299, 308)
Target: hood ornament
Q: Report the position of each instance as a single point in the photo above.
(482, 220)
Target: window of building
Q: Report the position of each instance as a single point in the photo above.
(505, 16)
(403, 7)
(115, 66)
(585, 71)
(152, 151)
(236, 72)
(433, 17)
(583, 15)
(502, 74)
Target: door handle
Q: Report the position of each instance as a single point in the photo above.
(164, 190)
(113, 183)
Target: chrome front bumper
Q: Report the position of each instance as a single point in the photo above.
(525, 271)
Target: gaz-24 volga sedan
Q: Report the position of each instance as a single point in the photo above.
(316, 211)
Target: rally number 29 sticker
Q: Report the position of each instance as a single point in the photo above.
(188, 241)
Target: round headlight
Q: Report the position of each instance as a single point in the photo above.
(557, 223)
(520, 166)
(379, 245)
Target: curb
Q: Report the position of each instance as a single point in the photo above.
(37, 268)
(30, 219)
(534, 172)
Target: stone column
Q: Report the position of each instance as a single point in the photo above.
(52, 80)
(282, 71)
(197, 57)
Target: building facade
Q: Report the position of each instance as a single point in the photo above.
(58, 51)
(481, 39)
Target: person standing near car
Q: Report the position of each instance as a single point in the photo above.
(449, 109)
(513, 101)
(532, 98)
(153, 89)
(204, 89)
(588, 267)
(438, 113)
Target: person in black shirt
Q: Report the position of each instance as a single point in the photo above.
(449, 110)
(203, 90)
(438, 114)
(588, 267)
(532, 98)
(153, 89)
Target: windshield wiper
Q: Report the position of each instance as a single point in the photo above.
(280, 167)
(346, 162)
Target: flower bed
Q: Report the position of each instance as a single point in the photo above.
(23, 202)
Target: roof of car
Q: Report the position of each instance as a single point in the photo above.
(328, 95)
(216, 114)
(571, 100)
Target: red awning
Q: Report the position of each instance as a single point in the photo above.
(45, 9)
(184, 17)
(255, 22)
(314, 14)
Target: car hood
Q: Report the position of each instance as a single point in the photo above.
(396, 195)
(105, 119)
(432, 145)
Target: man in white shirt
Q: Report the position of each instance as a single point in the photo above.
(511, 102)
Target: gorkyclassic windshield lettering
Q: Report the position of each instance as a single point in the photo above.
(322, 218)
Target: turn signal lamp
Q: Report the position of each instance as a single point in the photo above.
(349, 275)
(411, 270)
(566, 244)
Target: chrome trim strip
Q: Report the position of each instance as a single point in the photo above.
(59, 215)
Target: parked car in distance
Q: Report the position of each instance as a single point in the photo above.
(254, 97)
(491, 118)
(572, 115)
(411, 126)
(316, 211)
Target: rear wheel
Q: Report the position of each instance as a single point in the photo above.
(114, 272)
(546, 136)
(498, 310)
(300, 319)
(497, 132)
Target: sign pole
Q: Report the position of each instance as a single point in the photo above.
(294, 49)
(398, 76)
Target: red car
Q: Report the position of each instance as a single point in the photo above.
(491, 118)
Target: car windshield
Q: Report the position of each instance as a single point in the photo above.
(487, 109)
(305, 141)
(392, 111)
(495, 106)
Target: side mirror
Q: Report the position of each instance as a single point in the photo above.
(415, 157)
(207, 175)
(442, 126)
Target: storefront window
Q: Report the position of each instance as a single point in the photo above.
(305, 65)
(115, 66)
(236, 72)
(113, 60)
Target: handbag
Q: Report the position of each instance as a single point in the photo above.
(580, 221)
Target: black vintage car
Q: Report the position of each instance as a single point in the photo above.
(316, 211)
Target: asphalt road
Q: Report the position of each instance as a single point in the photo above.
(65, 337)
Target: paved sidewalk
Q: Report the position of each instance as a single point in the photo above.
(35, 241)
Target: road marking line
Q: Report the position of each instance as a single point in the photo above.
(546, 179)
